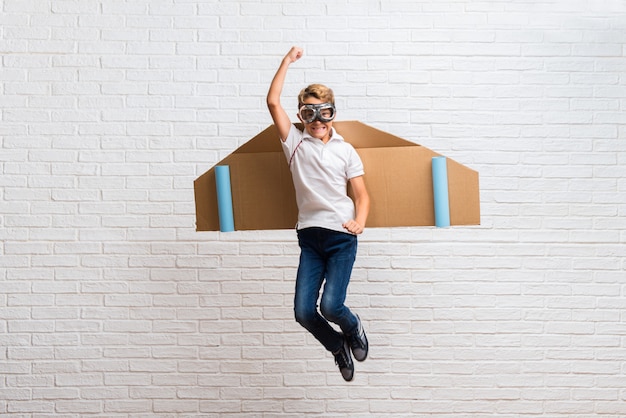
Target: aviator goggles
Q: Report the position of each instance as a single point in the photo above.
(324, 112)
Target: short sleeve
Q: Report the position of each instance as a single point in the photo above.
(291, 142)
(355, 165)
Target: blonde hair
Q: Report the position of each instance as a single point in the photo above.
(318, 91)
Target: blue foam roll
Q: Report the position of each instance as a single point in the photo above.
(224, 198)
(440, 190)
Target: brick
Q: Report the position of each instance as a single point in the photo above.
(113, 304)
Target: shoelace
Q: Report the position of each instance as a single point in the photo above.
(357, 342)
(341, 360)
(356, 339)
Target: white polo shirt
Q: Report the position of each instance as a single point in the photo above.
(320, 176)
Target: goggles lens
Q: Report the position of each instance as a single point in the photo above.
(324, 112)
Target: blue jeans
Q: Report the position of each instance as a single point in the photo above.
(330, 255)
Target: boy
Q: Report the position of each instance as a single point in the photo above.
(322, 165)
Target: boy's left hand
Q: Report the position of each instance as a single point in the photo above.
(353, 227)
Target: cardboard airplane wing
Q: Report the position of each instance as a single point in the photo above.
(398, 178)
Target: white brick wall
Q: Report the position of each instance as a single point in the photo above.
(113, 306)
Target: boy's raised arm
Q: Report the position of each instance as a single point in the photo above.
(280, 117)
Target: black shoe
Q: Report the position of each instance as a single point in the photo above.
(343, 359)
(358, 342)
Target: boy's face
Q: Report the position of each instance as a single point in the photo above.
(317, 128)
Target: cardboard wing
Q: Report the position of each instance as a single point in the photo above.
(398, 178)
